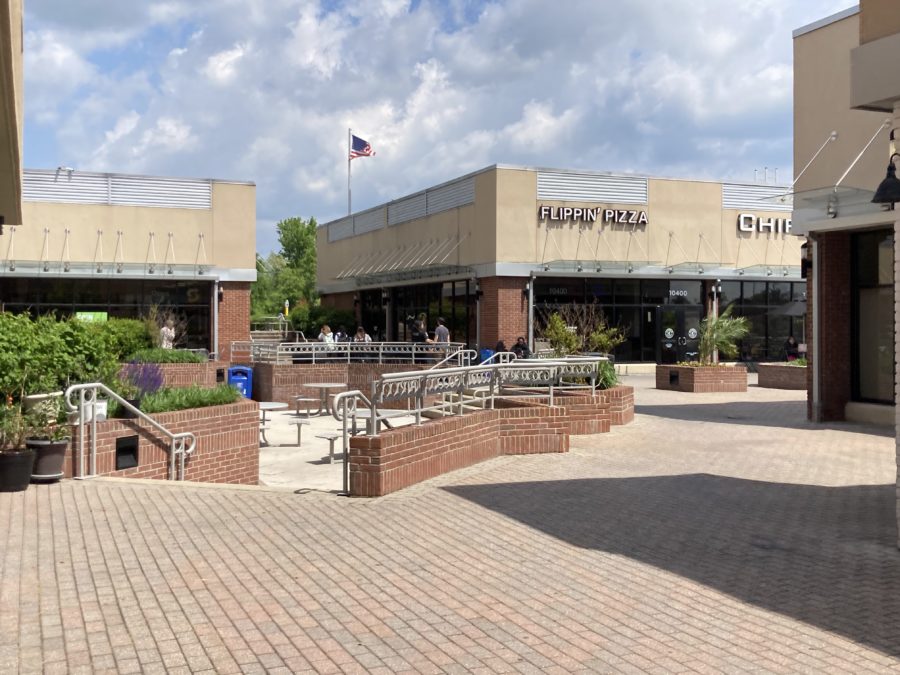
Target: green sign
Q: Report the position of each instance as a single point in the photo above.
(91, 316)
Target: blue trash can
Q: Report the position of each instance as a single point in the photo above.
(484, 355)
(242, 378)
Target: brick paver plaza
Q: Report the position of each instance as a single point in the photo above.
(718, 532)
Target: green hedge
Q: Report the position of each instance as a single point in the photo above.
(158, 355)
(182, 398)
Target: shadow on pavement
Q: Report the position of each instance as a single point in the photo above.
(823, 555)
(786, 414)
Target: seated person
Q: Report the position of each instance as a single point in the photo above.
(791, 349)
(520, 349)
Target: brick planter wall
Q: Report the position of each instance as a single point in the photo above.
(702, 379)
(227, 448)
(282, 382)
(398, 458)
(188, 374)
(621, 404)
(781, 376)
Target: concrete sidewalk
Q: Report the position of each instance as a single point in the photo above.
(718, 532)
(284, 464)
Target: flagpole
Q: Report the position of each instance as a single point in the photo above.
(349, 149)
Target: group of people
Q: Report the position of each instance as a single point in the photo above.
(520, 349)
(328, 336)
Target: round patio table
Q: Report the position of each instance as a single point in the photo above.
(324, 388)
(264, 407)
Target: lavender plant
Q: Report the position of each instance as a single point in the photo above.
(142, 378)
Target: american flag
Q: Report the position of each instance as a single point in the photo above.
(360, 148)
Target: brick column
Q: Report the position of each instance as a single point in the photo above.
(832, 328)
(504, 310)
(234, 316)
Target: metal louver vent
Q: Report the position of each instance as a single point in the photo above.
(584, 187)
(367, 221)
(457, 193)
(79, 187)
(755, 197)
(406, 209)
(340, 229)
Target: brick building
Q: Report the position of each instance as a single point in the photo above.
(496, 251)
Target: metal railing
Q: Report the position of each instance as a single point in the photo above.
(330, 352)
(464, 357)
(454, 389)
(180, 445)
(499, 357)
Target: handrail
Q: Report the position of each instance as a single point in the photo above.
(88, 397)
(463, 357)
(346, 401)
(522, 375)
(500, 357)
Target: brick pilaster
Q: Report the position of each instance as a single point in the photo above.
(504, 310)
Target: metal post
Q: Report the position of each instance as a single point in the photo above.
(717, 288)
(346, 442)
(531, 313)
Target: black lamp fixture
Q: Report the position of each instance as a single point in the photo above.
(888, 191)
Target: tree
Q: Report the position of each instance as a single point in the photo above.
(721, 333)
(289, 274)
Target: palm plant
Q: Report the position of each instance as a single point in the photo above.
(721, 333)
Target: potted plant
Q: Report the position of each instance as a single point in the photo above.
(48, 437)
(16, 461)
(717, 334)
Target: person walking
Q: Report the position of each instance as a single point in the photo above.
(441, 332)
(791, 349)
(361, 335)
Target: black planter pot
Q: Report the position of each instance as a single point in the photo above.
(48, 458)
(15, 470)
(128, 414)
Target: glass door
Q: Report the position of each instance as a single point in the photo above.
(678, 333)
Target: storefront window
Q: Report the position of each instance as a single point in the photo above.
(655, 291)
(873, 343)
(685, 293)
(627, 291)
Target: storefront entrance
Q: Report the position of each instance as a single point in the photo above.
(678, 333)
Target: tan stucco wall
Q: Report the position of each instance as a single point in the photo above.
(516, 195)
(11, 110)
(474, 224)
(878, 18)
(504, 226)
(687, 210)
(229, 230)
(822, 105)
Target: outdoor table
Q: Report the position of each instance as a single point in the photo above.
(264, 407)
(324, 388)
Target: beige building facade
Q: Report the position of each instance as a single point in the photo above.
(846, 83)
(843, 88)
(496, 251)
(120, 245)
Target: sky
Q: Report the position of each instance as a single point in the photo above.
(265, 90)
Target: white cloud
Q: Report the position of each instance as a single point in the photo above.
(222, 66)
(196, 87)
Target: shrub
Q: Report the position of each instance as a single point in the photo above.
(142, 378)
(721, 333)
(159, 355)
(605, 338)
(800, 363)
(606, 377)
(125, 336)
(182, 398)
(561, 339)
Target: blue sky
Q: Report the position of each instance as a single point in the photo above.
(264, 90)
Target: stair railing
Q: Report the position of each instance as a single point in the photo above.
(180, 444)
